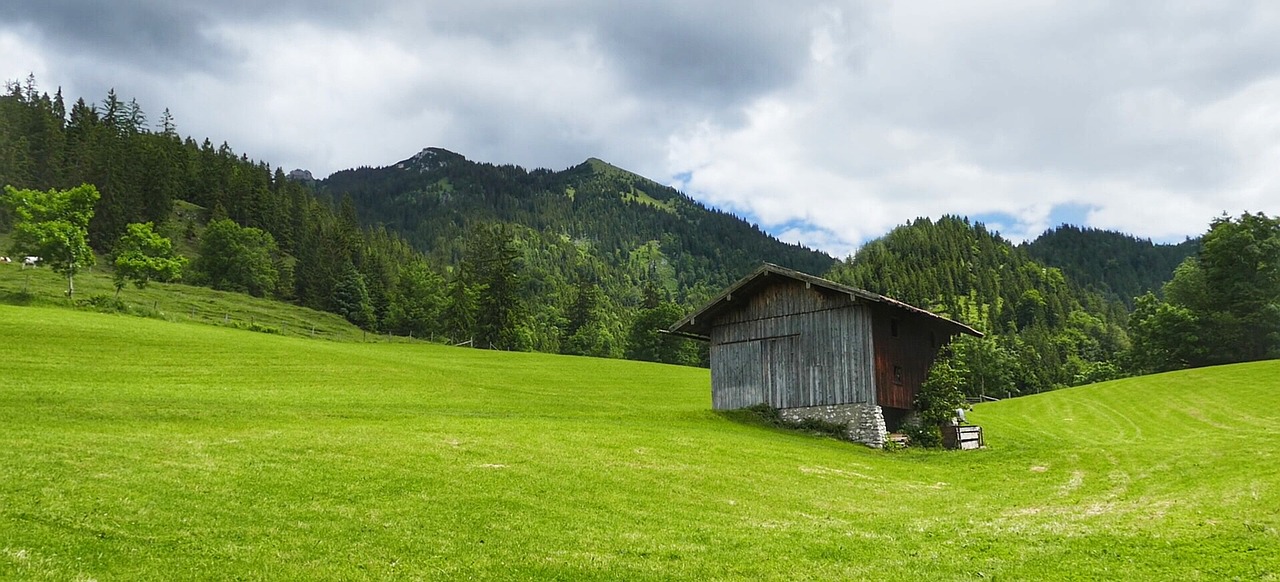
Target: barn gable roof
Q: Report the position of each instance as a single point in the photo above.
(698, 324)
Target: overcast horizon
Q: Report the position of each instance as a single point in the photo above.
(826, 123)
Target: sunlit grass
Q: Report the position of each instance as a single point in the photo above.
(133, 448)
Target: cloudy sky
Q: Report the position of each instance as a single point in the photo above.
(827, 123)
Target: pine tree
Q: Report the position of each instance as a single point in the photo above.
(459, 317)
(351, 298)
(499, 308)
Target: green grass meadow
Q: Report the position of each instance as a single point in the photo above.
(134, 448)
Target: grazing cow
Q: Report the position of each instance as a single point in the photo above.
(5, 260)
(30, 261)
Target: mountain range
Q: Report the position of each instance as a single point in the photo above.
(435, 196)
(432, 198)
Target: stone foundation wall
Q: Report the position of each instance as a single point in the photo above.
(864, 422)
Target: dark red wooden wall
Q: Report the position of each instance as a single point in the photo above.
(912, 351)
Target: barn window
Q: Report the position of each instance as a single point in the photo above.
(893, 327)
(897, 374)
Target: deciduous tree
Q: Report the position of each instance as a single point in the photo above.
(237, 258)
(142, 255)
(1223, 304)
(54, 225)
(417, 301)
(646, 342)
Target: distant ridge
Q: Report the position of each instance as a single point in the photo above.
(1117, 264)
(433, 197)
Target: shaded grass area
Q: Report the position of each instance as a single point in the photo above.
(132, 448)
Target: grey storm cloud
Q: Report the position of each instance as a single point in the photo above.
(708, 55)
(712, 53)
(165, 35)
(715, 56)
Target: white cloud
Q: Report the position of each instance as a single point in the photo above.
(329, 99)
(992, 109)
(1249, 123)
(828, 122)
(20, 56)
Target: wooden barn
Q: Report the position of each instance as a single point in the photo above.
(813, 348)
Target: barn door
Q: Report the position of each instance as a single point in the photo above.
(737, 375)
(783, 381)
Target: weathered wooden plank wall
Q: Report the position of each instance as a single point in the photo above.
(790, 345)
(733, 384)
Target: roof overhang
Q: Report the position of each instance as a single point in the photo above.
(697, 325)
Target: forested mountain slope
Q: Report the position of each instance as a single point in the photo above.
(592, 260)
(1120, 265)
(305, 253)
(434, 197)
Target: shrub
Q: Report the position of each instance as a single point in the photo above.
(260, 328)
(922, 434)
(939, 398)
(941, 393)
(255, 326)
(767, 413)
(102, 302)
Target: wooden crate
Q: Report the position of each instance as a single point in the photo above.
(964, 437)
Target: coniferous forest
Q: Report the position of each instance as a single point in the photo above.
(1117, 265)
(1043, 331)
(594, 260)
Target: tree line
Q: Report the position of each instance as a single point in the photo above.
(1119, 266)
(251, 229)
(1045, 330)
(1222, 305)
(593, 260)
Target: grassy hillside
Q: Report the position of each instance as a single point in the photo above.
(171, 302)
(137, 449)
